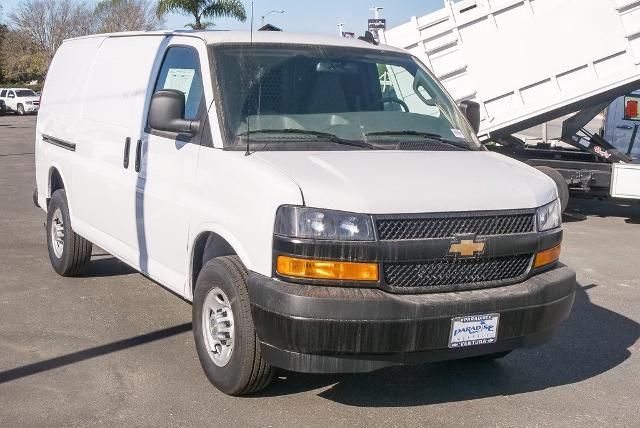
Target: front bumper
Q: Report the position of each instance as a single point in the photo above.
(322, 329)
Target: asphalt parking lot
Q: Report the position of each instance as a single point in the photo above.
(113, 348)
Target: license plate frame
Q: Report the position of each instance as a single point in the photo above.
(474, 330)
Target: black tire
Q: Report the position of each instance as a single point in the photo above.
(76, 251)
(20, 110)
(246, 372)
(561, 183)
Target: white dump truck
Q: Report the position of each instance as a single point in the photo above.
(528, 62)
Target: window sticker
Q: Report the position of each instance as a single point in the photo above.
(180, 79)
(632, 107)
(458, 133)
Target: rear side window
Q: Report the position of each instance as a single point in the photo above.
(181, 71)
(3, 93)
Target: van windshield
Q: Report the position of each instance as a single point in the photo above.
(294, 97)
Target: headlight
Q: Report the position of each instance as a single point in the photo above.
(313, 223)
(29, 102)
(549, 216)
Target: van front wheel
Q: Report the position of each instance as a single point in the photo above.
(20, 110)
(223, 330)
(69, 252)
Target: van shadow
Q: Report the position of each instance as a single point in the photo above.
(581, 209)
(593, 341)
(106, 267)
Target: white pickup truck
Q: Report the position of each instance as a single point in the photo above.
(320, 220)
(20, 100)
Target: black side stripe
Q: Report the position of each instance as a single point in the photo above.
(60, 143)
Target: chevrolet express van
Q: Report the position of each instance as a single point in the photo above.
(322, 202)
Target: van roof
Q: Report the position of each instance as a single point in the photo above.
(220, 37)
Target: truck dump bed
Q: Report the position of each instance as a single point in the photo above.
(528, 61)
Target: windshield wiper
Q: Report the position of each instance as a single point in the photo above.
(426, 135)
(323, 135)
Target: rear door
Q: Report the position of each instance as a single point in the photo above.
(165, 187)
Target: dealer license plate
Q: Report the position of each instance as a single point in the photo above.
(473, 330)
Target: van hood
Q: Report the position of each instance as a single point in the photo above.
(387, 182)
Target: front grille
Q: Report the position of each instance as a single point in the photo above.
(451, 272)
(449, 227)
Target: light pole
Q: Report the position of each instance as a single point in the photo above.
(269, 13)
(376, 11)
(340, 28)
(375, 29)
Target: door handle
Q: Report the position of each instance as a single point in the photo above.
(127, 146)
(624, 127)
(138, 155)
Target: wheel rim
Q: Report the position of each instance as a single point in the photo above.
(57, 233)
(218, 327)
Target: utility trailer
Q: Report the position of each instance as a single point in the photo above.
(527, 62)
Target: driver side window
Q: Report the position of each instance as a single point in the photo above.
(181, 71)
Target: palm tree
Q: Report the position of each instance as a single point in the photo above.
(203, 9)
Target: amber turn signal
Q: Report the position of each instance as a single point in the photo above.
(327, 269)
(547, 257)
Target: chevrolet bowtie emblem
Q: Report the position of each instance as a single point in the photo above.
(466, 248)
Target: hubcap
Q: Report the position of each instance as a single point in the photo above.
(57, 233)
(218, 327)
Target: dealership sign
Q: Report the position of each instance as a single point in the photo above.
(375, 25)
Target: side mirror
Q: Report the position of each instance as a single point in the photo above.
(471, 110)
(11, 96)
(166, 113)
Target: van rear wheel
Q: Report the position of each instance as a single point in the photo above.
(69, 252)
(223, 330)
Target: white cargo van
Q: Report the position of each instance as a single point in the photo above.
(320, 217)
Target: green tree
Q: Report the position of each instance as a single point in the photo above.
(3, 35)
(22, 60)
(126, 15)
(200, 9)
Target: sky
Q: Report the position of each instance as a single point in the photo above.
(308, 16)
